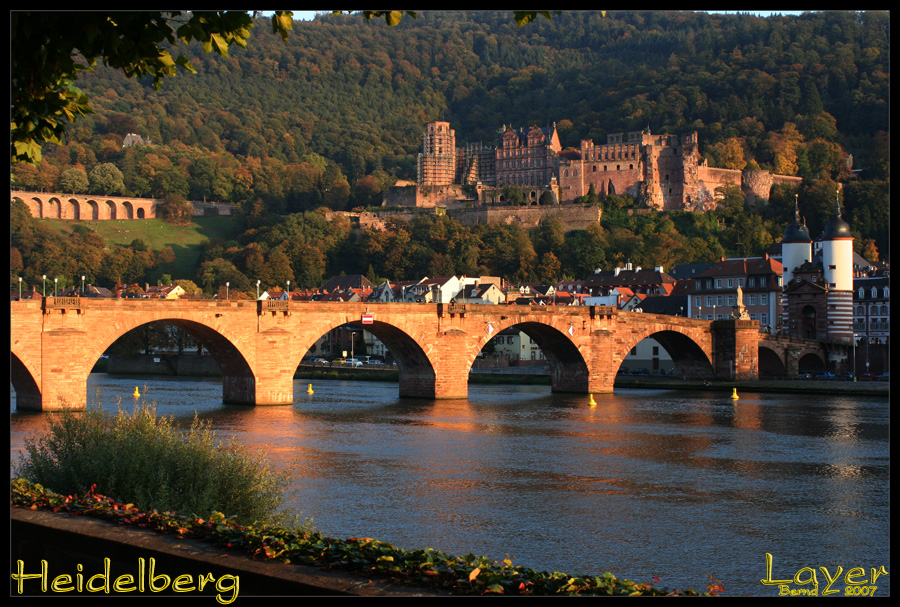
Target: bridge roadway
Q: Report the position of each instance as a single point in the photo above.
(258, 345)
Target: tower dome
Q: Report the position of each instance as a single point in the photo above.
(837, 228)
(797, 230)
(796, 246)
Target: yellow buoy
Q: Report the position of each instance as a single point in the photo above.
(310, 390)
(136, 393)
(734, 394)
(593, 403)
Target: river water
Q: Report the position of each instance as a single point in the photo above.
(647, 484)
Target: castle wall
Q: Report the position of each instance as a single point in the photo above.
(573, 217)
(426, 196)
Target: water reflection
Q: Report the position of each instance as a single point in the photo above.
(645, 483)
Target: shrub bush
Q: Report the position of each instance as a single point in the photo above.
(145, 459)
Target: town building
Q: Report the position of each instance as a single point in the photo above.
(620, 285)
(713, 293)
(871, 309)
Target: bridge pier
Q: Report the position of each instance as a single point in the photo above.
(735, 349)
(242, 390)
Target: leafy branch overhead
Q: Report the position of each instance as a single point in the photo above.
(49, 50)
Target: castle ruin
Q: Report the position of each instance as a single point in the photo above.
(663, 172)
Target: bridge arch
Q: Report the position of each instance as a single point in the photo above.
(71, 209)
(35, 205)
(94, 210)
(238, 375)
(415, 365)
(24, 378)
(811, 362)
(52, 209)
(771, 365)
(689, 357)
(569, 370)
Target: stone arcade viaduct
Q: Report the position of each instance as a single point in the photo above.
(259, 344)
(91, 207)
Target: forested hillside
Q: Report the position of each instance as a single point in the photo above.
(334, 115)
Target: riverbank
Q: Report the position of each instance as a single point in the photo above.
(189, 366)
(528, 376)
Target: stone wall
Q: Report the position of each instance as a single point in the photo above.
(574, 217)
(425, 196)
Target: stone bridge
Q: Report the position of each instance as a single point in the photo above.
(259, 344)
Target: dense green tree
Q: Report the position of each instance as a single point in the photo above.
(74, 180)
(106, 178)
(175, 209)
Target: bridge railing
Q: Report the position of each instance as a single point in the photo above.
(62, 302)
(272, 305)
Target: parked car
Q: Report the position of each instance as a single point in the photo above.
(804, 375)
(353, 362)
(886, 376)
(319, 361)
(825, 375)
(866, 377)
(640, 371)
(845, 376)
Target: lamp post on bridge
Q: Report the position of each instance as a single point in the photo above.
(226, 289)
(20, 288)
(82, 285)
(44, 292)
(289, 290)
(257, 289)
(55, 283)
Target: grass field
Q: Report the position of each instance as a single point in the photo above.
(157, 234)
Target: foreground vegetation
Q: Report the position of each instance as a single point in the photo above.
(468, 574)
(160, 474)
(143, 458)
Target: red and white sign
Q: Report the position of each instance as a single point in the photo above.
(368, 319)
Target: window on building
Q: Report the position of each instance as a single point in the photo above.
(764, 299)
(718, 283)
(729, 283)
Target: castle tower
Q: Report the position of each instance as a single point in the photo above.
(837, 267)
(437, 161)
